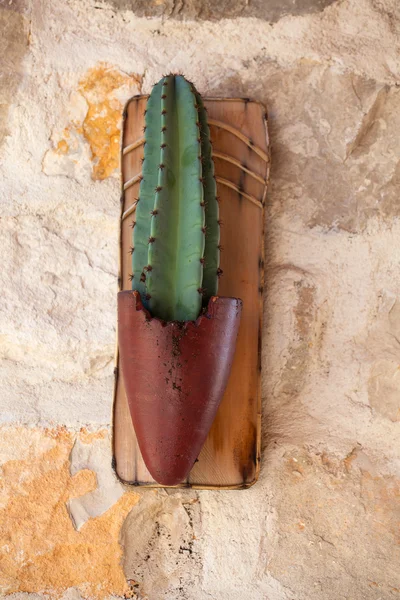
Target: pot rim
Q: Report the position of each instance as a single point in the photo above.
(206, 312)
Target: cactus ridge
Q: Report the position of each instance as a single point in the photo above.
(146, 190)
(176, 238)
(211, 252)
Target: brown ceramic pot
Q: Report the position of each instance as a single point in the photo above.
(175, 375)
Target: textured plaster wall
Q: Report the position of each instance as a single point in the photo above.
(323, 522)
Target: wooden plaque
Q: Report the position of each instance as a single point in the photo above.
(230, 457)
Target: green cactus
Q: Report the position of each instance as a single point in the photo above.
(175, 262)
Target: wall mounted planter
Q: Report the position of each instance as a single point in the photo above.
(190, 362)
(230, 454)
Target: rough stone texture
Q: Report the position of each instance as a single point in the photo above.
(14, 42)
(270, 10)
(41, 551)
(160, 539)
(93, 456)
(322, 523)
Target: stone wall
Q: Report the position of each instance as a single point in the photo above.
(322, 523)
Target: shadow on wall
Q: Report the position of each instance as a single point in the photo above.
(208, 10)
(14, 27)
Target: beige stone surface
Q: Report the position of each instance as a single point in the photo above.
(323, 521)
(14, 43)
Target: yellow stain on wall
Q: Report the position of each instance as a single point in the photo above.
(62, 147)
(102, 125)
(39, 549)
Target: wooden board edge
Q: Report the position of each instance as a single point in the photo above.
(210, 99)
(183, 486)
(239, 486)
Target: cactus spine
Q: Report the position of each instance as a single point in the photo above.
(175, 262)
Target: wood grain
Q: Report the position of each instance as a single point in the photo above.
(230, 456)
